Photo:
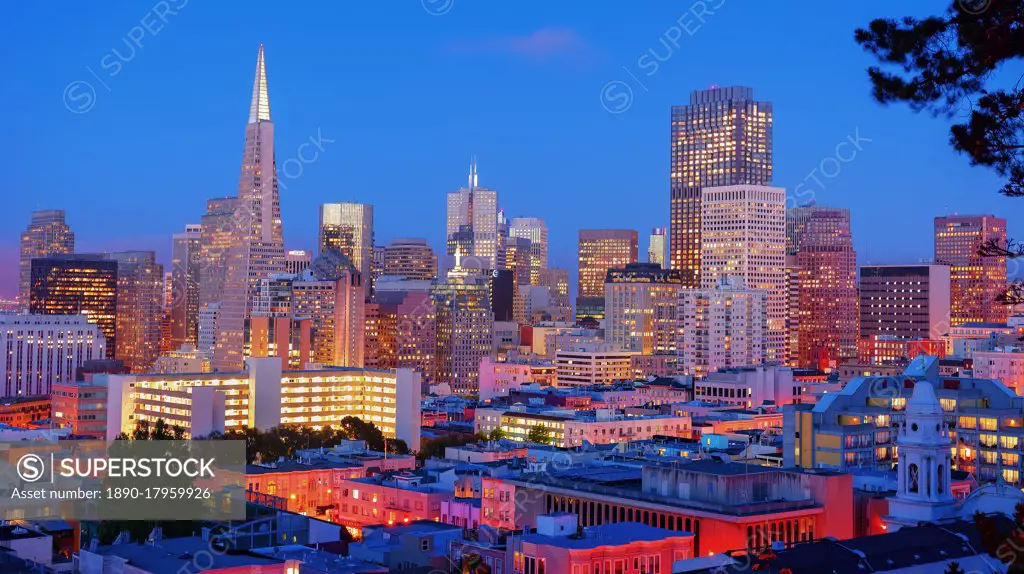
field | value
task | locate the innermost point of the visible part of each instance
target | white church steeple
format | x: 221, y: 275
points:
x: 923, y: 490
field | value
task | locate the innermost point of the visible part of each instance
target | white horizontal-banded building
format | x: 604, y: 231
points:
x: 264, y: 397
x: 39, y: 350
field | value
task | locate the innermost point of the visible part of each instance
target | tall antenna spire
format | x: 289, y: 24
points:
x: 472, y: 173
x: 259, y: 110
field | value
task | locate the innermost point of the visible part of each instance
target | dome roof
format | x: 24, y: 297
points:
x: 923, y: 401
x: 999, y: 498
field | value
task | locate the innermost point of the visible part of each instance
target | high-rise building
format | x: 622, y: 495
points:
x: 905, y: 301
x: 376, y: 267
x: 402, y: 329
x: 472, y: 223
x: 331, y: 294
x: 41, y: 350
x: 216, y: 234
x: 743, y: 236
x: 47, y: 234
x: 465, y: 327
x: 722, y: 327
x: 272, y: 330
x: 348, y: 227
x: 518, y: 260
x: 656, y: 246
x: 410, y: 257
x: 297, y: 260
x: 534, y: 229
x: 722, y: 137
x: 257, y: 245
x: 792, y: 310
x: 556, y: 280
x: 140, y: 296
x: 186, y: 263
x: 974, y: 281
x: 640, y: 302
x: 598, y: 251
x: 80, y: 284
x: 820, y: 239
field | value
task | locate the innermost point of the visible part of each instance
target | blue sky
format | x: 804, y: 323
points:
x: 408, y: 90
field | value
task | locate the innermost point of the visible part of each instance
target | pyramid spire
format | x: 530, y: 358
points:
x: 259, y: 110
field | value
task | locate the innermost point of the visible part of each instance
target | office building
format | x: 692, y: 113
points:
x: 534, y: 229
x: 721, y: 328
x: 640, y: 302
x: 722, y: 137
x: 556, y: 280
x: 656, y: 247
x: 331, y: 294
x: 401, y: 330
x: 465, y: 327
x: 47, y: 234
x: 263, y: 396
x: 186, y: 266
x: 257, y: 244
x: 42, y: 350
x: 216, y: 235
x: 82, y: 405
x: 820, y: 239
x: 297, y: 260
x: 140, y: 309
x: 906, y: 301
x: 975, y: 282
x: 518, y: 258
x: 83, y: 284
x: 743, y: 236
x: 598, y: 251
x: 348, y: 228
x: 410, y: 257
x: 589, y: 364
x: 472, y: 224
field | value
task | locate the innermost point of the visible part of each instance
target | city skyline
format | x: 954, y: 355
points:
x: 406, y: 208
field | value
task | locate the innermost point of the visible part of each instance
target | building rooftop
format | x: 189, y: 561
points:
x: 617, y: 534
x: 902, y: 550
x: 173, y: 555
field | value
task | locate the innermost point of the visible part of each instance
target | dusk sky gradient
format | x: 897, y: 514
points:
x: 407, y: 97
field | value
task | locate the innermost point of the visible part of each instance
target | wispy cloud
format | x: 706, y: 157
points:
x: 543, y: 44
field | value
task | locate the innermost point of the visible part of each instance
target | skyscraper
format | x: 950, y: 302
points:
x: 472, y: 223
x: 640, y: 302
x: 974, y: 281
x: 47, y: 234
x: 743, y: 236
x: 216, y: 235
x: 140, y: 298
x: 656, y: 246
x: 722, y: 327
x: 410, y: 257
x: 80, y: 284
x: 348, y: 227
x: 556, y: 280
x: 331, y: 294
x: 186, y: 262
x: 905, y: 301
x: 723, y: 137
x: 534, y: 229
x: 257, y: 245
x: 821, y: 240
x: 598, y: 251
x: 465, y: 327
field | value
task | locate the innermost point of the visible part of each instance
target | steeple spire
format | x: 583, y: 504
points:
x: 472, y: 173
x: 259, y: 110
